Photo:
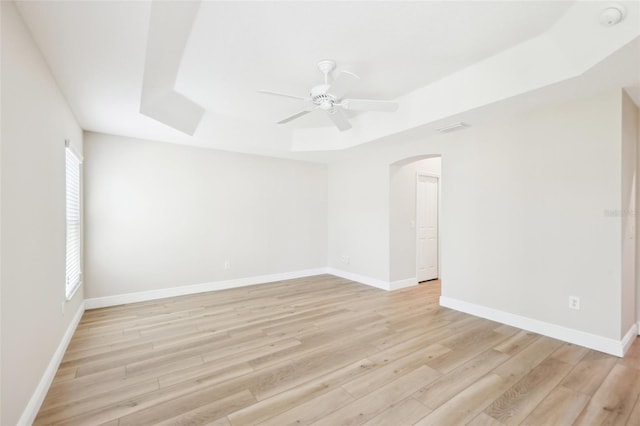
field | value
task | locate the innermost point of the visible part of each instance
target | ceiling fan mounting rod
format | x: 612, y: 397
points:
x: 326, y: 66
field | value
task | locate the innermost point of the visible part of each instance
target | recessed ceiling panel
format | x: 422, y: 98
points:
x: 238, y: 48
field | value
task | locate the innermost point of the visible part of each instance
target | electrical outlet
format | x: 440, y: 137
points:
x: 346, y: 259
x: 227, y: 264
x: 574, y: 302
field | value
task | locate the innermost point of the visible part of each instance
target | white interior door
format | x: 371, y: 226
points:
x: 427, y: 227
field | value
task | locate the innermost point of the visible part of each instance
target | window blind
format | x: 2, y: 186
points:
x: 74, y: 269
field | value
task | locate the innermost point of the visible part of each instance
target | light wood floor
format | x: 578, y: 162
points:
x: 327, y: 351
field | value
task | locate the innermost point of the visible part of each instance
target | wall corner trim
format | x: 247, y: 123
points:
x: 629, y: 337
x: 592, y: 341
x: 33, y: 406
x: 144, y: 296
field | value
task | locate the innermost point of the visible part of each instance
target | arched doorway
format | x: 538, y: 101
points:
x: 414, y: 237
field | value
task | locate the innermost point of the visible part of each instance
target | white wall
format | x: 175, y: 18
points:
x: 160, y: 215
x: 402, y: 215
x: 629, y: 141
x: 35, y: 123
x: 523, y: 219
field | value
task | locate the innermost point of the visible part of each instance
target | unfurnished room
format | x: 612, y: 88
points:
x: 319, y: 213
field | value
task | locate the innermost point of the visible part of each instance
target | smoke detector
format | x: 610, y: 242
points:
x: 612, y: 15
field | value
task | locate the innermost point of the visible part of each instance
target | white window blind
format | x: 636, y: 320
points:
x: 74, y: 267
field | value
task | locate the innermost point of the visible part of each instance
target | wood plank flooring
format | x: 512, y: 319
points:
x: 328, y: 351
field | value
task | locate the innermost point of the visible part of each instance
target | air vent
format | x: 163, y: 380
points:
x: 453, y: 127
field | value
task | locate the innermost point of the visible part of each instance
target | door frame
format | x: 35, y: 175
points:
x: 420, y: 174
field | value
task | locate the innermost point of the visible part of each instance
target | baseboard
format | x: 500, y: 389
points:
x: 144, y: 296
x: 373, y: 282
x: 397, y: 285
x: 384, y: 285
x: 592, y: 341
x: 33, y: 406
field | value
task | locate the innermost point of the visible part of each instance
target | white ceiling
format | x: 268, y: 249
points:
x: 236, y: 48
x: 217, y: 55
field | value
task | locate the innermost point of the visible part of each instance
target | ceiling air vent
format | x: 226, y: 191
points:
x: 453, y: 127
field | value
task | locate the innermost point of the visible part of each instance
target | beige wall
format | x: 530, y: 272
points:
x: 359, y: 216
x: 523, y: 222
x: 160, y: 215
x: 35, y: 123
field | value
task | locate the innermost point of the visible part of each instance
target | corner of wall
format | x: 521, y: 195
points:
x: 373, y: 282
x: 400, y: 284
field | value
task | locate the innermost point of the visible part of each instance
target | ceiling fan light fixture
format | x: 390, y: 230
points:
x: 326, y: 106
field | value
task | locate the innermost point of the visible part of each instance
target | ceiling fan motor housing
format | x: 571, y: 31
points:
x: 321, y: 98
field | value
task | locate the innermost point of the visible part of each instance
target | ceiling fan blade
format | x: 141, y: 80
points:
x: 294, y: 116
x: 284, y: 95
x: 339, y: 119
x: 342, y: 84
x: 369, y: 105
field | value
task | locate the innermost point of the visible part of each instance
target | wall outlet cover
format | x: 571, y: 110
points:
x: 574, y: 302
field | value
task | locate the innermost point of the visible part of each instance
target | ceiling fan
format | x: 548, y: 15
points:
x: 329, y: 98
